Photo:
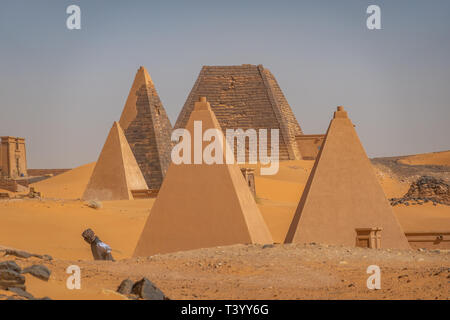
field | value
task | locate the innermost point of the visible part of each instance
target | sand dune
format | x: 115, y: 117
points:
x: 69, y: 185
x: 55, y: 227
x: 434, y: 158
x: 424, y: 218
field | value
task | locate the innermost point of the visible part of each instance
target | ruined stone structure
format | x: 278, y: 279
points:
x: 343, y: 202
x: 246, y: 97
x: 147, y: 129
x: 368, y: 238
x: 249, y: 176
x: 116, y: 173
x: 13, y: 158
x: 310, y: 145
x: 202, y: 205
x: 429, y: 239
x: 426, y: 189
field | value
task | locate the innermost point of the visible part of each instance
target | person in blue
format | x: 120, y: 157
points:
x: 100, y: 250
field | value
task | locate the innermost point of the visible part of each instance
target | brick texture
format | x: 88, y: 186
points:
x: 246, y: 96
x: 148, y: 129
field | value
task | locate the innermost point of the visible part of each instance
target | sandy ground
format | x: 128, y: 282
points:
x: 53, y: 226
x: 253, y: 272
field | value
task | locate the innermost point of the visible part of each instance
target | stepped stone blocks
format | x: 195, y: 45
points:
x: 343, y: 196
x: 116, y: 173
x: 246, y: 97
x: 201, y: 205
x: 147, y: 129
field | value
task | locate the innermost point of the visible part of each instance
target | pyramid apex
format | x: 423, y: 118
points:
x: 202, y: 104
x: 340, y: 113
x: 143, y: 70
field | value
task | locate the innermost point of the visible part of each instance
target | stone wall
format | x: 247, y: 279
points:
x: 309, y: 145
x: 13, y: 157
x: 9, y: 185
x: 429, y: 240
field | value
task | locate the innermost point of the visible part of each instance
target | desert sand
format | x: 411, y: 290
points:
x: 69, y: 185
x: 435, y: 158
x: 54, y: 224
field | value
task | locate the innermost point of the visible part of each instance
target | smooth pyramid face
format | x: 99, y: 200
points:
x: 343, y: 194
x: 201, y: 205
x: 116, y: 172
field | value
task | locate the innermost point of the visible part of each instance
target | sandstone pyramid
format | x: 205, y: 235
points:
x: 116, y: 172
x: 201, y: 205
x: 246, y: 97
x: 342, y: 194
x: 147, y: 129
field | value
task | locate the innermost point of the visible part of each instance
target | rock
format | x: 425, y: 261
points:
x: 18, y: 253
x: 145, y: 289
x: 26, y: 255
x: 22, y: 293
x: 39, y: 271
x: 10, y: 279
x: 343, y: 262
x: 10, y: 265
x: 47, y: 257
x: 125, y: 287
x: 95, y: 204
x: 267, y: 246
x: 426, y: 189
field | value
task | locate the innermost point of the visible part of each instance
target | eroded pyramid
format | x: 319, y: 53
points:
x: 116, y: 172
x: 147, y: 129
x: 342, y: 194
x: 201, y: 205
x: 246, y: 97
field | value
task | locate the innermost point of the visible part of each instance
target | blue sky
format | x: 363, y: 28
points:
x: 62, y: 89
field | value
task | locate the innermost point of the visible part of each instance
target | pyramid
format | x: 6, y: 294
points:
x: 147, y: 129
x: 116, y: 172
x: 201, y: 205
x: 246, y: 97
x: 342, y: 194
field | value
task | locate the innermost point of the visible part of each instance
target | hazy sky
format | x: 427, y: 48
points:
x: 62, y: 89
